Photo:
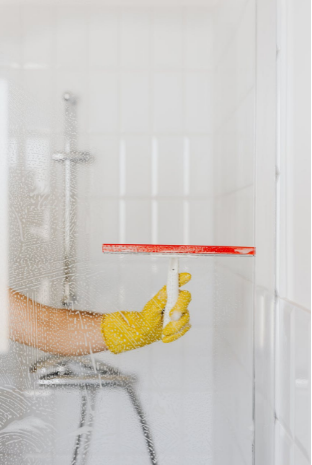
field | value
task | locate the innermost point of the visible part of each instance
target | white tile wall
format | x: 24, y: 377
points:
x: 103, y: 29
x: 300, y: 457
x: 171, y: 166
x: 10, y: 48
x: 135, y: 37
x: 103, y: 100
x: 38, y: 82
x: 104, y: 221
x: 302, y: 378
x: 71, y: 37
x: 168, y: 102
x: 294, y: 155
x: 200, y: 225
x: 168, y: 38
x: 143, y: 79
x: 170, y: 222
x: 293, y: 373
x: 138, y: 165
x: 145, y: 75
x: 198, y: 101
x: 138, y: 222
x: 134, y: 71
x: 199, y: 38
x: 39, y: 35
x: 293, y: 338
x: 106, y: 152
x: 285, y: 385
x: 135, y: 92
x: 284, y: 447
x: 233, y: 171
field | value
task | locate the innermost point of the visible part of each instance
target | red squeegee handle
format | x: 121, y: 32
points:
x: 178, y: 249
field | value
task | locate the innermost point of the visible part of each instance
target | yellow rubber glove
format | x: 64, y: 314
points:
x: 124, y: 331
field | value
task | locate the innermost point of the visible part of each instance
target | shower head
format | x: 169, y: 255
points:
x: 69, y: 97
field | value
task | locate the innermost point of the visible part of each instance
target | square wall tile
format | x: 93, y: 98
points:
x: 264, y: 431
x: 37, y: 162
x: 226, y: 20
x: 198, y: 344
x: 10, y: 36
x: 103, y: 218
x: 135, y: 102
x: 138, y: 165
x: 300, y: 457
x: 168, y: 107
x: 302, y: 378
x: 104, y: 170
x: 244, y: 200
x: 198, y: 102
x: 39, y: 36
x: 168, y: 366
x: 201, y: 222
x: 199, y: 38
x: 284, y: 446
x: 234, y: 222
x: 103, y: 102
x: 246, y: 51
x: 167, y: 38
x: 170, y: 222
x: 235, y: 148
x: 197, y: 417
x: 135, y: 27
x: 170, y: 166
x: 103, y: 30
x: 138, y: 222
x: 284, y: 383
x: 201, y: 174
x: 246, y: 148
x: 72, y: 37
x: 225, y: 86
x: 39, y: 85
x: 226, y: 154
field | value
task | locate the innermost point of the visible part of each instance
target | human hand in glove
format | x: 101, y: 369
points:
x: 124, y: 330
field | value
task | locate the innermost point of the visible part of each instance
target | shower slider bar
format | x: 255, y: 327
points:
x: 70, y: 156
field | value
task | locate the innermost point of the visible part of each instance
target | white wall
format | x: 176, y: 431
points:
x: 143, y: 78
x: 234, y: 152
x: 282, y: 315
x: 293, y: 319
x: 282, y: 325
x: 265, y: 225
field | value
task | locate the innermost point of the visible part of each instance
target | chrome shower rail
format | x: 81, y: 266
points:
x: 70, y: 157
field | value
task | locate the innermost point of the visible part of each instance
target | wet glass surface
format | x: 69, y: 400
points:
x: 88, y: 159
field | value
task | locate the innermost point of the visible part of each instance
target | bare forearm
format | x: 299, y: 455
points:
x: 55, y: 330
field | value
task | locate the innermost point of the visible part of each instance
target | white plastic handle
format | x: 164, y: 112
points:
x: 172, y: 287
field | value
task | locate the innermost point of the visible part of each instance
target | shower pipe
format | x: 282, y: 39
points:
x: 90, y: 381
x: 70, y: 156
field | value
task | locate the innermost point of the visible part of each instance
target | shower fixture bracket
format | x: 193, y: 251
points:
x: 73, y: 156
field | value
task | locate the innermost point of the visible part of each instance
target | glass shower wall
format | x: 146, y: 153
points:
x: 144, y: 80
x: 162, y: 404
